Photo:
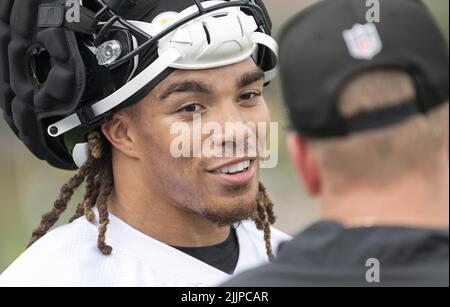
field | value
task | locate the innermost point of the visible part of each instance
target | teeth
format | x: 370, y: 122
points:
x: 238, y: 167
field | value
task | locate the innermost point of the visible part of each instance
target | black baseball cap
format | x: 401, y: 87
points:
x: 330, y: 42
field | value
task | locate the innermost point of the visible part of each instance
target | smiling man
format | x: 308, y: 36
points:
x: 149, y: 218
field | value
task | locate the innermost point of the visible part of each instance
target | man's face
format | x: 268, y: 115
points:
x: 204, y: 185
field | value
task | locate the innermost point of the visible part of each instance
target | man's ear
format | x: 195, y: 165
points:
x: 121, y: 135
x: 305, y: 163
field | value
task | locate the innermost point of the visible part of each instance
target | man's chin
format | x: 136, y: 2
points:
x: 229, y: 216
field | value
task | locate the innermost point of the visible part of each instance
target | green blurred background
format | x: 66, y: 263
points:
x: 28, y: 187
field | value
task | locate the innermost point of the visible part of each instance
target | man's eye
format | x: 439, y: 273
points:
x: 249, y: 96
x: 191, y: 108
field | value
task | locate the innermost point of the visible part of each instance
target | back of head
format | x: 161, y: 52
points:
x: 372, y: 97
x: 381, y: 155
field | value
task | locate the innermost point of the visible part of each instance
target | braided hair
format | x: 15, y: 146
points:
x: 99, y: 183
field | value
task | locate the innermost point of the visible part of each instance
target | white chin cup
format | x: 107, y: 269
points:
x: 80, y: 154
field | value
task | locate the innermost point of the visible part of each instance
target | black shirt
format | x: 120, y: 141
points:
x: 327, y: 254
x: 223, y: 256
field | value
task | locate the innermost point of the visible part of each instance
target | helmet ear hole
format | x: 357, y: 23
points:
x: 39, y: 65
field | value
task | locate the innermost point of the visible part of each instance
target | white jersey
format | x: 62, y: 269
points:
x: 68, y: 256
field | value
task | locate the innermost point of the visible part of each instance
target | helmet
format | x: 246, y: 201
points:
x: 66, y: 66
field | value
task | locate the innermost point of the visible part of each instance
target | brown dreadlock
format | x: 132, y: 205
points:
x: 97, y: 172
x: 99, y: 183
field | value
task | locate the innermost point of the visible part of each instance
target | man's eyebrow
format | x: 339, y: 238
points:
x: 185, y: 86
x: 251, y: 77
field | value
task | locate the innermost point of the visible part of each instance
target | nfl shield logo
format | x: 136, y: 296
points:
x: 363, y: 41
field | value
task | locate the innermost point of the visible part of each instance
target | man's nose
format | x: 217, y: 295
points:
x: 236, y: 135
